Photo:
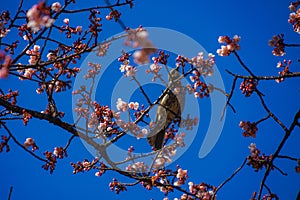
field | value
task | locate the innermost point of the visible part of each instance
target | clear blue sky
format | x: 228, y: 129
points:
x: 204, y: 21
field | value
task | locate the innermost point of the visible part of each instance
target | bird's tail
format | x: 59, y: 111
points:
x: 157, y: 140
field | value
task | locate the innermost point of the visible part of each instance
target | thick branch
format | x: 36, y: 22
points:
x: 280, y: 146
x: 58, y: 122
x: 289, y: 75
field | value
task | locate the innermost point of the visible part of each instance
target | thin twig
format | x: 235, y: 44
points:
x: 276, y: 119
x: 142, y: 90
x: 10, y: 192
x: 281, y: 172
x: 69, y: 142
x: 231, y: 177
x: 292, y: 45
x: 21, y: 145
x: 263, y: 119
x: 121, y: 23
x: 229, y: 97
x: 269, y: 190
x: 109, y: 6
x: 243, y: 64
x: 288, y: 157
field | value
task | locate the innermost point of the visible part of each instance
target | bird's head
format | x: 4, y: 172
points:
x: 174, y: 77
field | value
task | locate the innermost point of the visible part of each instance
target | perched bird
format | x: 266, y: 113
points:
x: 169, y: 108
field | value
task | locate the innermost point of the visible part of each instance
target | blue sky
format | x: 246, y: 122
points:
x: 204, y: 21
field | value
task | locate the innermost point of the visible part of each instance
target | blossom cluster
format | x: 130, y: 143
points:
x: 164, y: 158
x: 203, y: 191
x: 123, y: 106
x: 95, y: 26
x: 181, y: 176
x: 162, y: 58
x: 101, y: 170
x: 85, y: 165
x: 140, y: 111
x: 249, y: 128
x: 26, y: 116
x: 70, y: 30
x: 93, y: 71
x: 181, y: 61
x: 102, y: 118
x: 80, y: 109
x: 39, y: 16
x: 56, y: 6
x: 4, y: 143
x: 5, y: 62
x: 137, y: 167
x: 127, y: 69
x: 114, y: 14
x: 256, y: 160
x: 199, y: 88
x: 294, y: 17
x: 29, y: 142
x: 102, y: 49
x: 139, y: 38
x: 248, y: 86
x: 171, y: 131
x: 161, y: 176
x: 231, y: 45
x: 60, y: 152
x: 51, y: 161
x: 204, y: 66
x: 155, y: 68
x: 26, y: 73
x: 34, y: 54
x: 278, y: 43
x: 286, y: 70
x: 170, y: 150
x: 11, y: 48
x: 10, y: 96
x: 4, y: 19
x: 117, y: 186
x: 189, y: 122
x: 297, y: 168
x: 270, y: 197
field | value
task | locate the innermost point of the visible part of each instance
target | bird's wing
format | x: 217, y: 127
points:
x: 167, y: 111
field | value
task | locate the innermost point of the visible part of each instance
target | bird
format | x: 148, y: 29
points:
x: 169, y: 109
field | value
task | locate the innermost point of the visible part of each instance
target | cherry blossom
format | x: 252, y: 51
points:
x: 286, y: 69
x: 249, y: 128
x: 56, y: 6
x: 278, y: 43
x: 29, y: 142
x: 231, y: 45
x: 39, y: 16
x: 134, y: 105
x: 248, y: 86
x: 122, y: 105
x: 205, y: 67
x: 66, y: 21
x: 5, y: 62
x: 181, y: 176
x: 128, y: 70
x: 4, y: 143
